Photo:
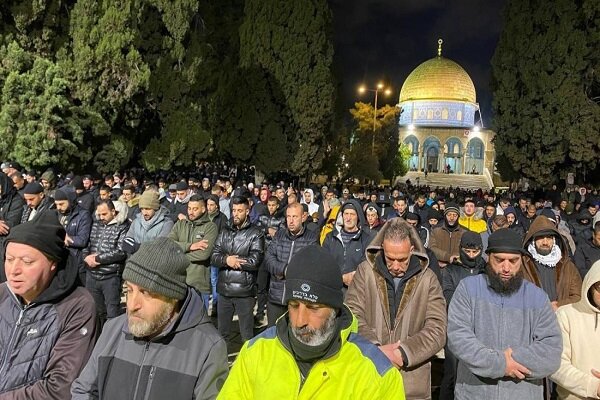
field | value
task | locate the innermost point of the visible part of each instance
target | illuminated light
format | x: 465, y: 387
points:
x: 476, y: 128
x: 388, y: 92
x: 380, y: 85
x: 362, y: 89
x: 411, y: 127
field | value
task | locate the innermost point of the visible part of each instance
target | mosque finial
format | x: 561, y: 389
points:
x: 440, y: 41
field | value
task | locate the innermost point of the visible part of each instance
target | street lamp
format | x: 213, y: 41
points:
x: 379, y: 88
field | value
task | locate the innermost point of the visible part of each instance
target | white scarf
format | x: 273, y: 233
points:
x: 549, y: 260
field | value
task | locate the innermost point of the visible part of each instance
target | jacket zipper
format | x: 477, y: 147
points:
x: 288, y: 262
x: 149, y: 386
x: 137, y: 384
x: 10, y: 341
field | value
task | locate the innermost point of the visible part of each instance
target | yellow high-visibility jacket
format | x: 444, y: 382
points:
x: 473, y: 224
x: 265, y: 369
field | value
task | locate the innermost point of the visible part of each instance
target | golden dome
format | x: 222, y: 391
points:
x: 438, y: 79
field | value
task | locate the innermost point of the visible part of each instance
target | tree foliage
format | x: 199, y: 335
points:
x: 378, y: 135
x: 292, y: 42
x: 546, y: 89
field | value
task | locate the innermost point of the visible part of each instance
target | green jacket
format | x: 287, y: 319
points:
x: 185, y: 233
x: 265, y: 369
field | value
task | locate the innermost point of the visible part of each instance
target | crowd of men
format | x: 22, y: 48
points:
x: 359, y: 290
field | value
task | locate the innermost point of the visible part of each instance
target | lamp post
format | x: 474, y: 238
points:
x: 376, y: 90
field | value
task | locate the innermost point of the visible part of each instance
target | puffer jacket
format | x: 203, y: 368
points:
x: 350, y: 256
x: 45, y: 344
x: 185, y: 233
x: 106, y: 241
x: 587, y: 254
x: 11, y: 203
x: 420, y: 319
x: 279, y: 254
x: 568, y: 279
x: 247, y: 242
x: 188, y: 360
x: 269, y: 221
x: 78, y: 225
x: 45, y: 204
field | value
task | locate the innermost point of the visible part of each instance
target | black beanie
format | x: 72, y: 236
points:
x: 60, y: 195
x: 182, y: 185
x: 44, y: 232
x: 33, y: 188
x: 77, y: 183
x: 504, y: 240
x: 314, y: 276
x: 471, y: 240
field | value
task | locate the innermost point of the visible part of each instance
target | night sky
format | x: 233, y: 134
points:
x: 386, y: 39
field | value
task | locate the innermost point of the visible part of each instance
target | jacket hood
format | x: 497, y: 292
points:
x: 584, y: 214
x: 121, y: 216
x: 157, y: 218
x: 375, y: 248
x: 362, y: 220
x: 542, y: 223
x: 312, y: 195
x: 592, y: 277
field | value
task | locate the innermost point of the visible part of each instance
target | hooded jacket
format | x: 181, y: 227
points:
x: 580, y: 327
x: 11, y: 203
x: 185, y: 233
x: 420, y: 319
x: 582, y: 232
x: 45, y: 344
x: 266, y: 369
x: 445, y: 242
x: 106, y: 241
x: 475, y: 222
x: 188, y: 360
x: 587, y: 254
x: 568, y: 280
x: 313, y: 207
x: 350, y: 256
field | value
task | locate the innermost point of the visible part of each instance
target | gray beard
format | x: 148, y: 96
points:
x: 145, y: 328
x: 316, y: 337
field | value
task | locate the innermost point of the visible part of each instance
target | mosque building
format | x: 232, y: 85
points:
x: 438, y: 120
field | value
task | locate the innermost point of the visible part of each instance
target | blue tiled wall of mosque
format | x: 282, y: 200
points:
x: 438, y: 113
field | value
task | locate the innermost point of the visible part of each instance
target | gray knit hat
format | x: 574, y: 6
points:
x: 159, y: 266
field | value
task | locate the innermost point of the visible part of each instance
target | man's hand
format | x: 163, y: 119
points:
x: 597, y: 375
x: 68, y: 240
x: 347, y: 278
x: 91, y: 261
x: 4, y: 228
x: 181, y: 217
x: 326, y: 207
x: 554, y: 305
x: 392, y: 352
x: 290, y: 190
x: 272, y: 231
x: 200, y: 245
x: 234, y: 262
x: 513, y: 368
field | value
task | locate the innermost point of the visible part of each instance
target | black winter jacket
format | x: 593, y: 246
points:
x: 269, y: 221
x: 78, y: 225
x: 248, y: 242
x: 45, y: 204
x: 586, y: 255
x: 279, y: 252
x: 45, y: 344
x: 106, y: 240
x: 456, y: 272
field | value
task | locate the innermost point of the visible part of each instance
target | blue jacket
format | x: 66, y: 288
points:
x: 482, y: 324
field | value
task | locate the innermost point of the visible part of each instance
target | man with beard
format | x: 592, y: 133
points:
x: 36, y: 201
x: 502, y: 329
x: 399, y: 304
x: 238, y: 252
x: 399, y: 208
x: 313, y: 352
x: 77, y: 223
x: 470, y: 263
x: 196, y: 235
x: 165, y: 346
x: 547, y: 264
x: 151, y: 222
x: 445, y: 239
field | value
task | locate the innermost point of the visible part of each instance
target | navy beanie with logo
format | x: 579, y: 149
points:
x: 314, y: 276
